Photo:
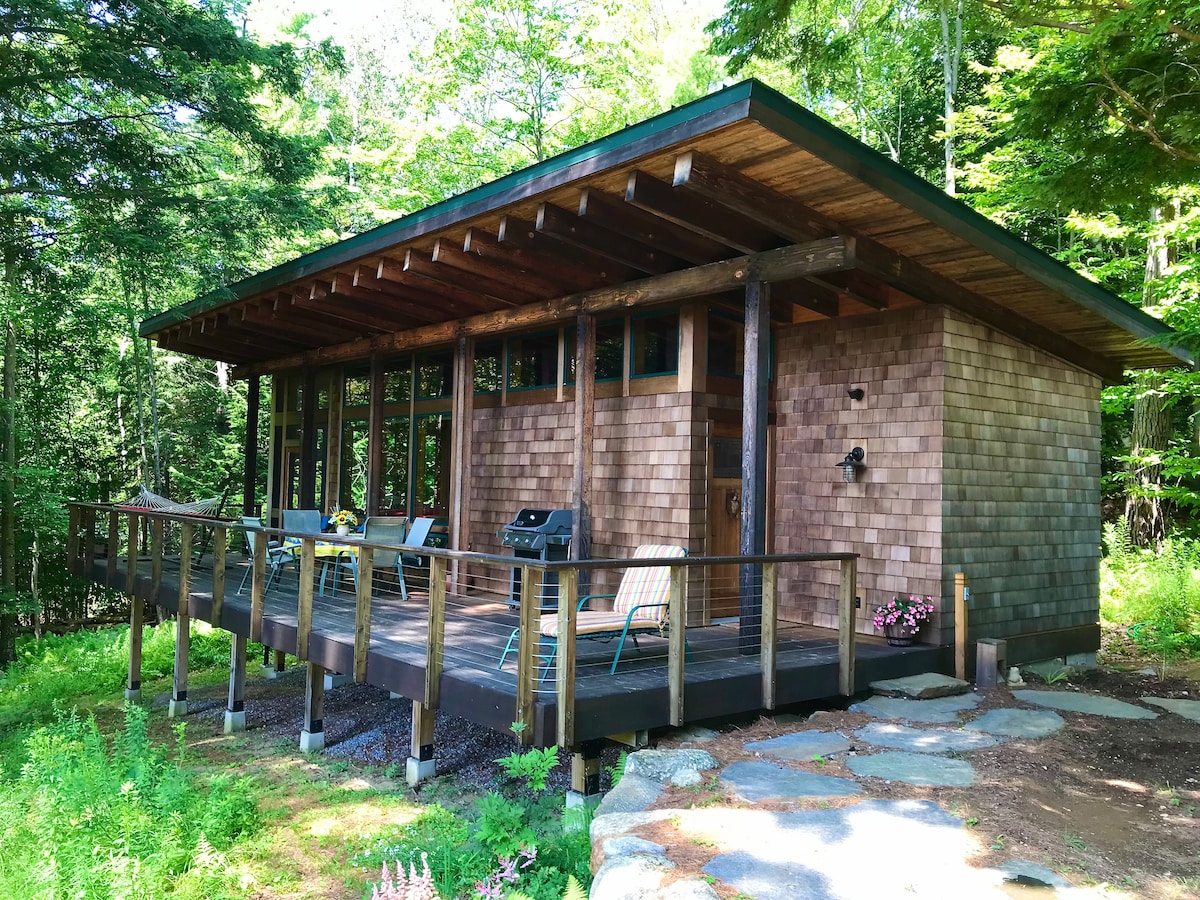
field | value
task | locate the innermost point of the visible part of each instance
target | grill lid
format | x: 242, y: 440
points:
x: 542, y: 521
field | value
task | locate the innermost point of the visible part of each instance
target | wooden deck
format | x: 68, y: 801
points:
x: 719, y: 681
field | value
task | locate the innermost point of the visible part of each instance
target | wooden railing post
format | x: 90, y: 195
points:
x: 73, y: 564
x: 258, y: 584
x: 362, y: 612
x: 157, y: 529
x: 308, y: 556
x: 183, y: 621
x: 961, y: 593
x: 846, y: 626
x: 89, y: 532
x: 435, y: 644
x: 114, y: 543
x: 677, y: 642
x: 568, y: 600
x: 527, y: 659
x: 770, y: 619
x: 220, y: 541
x: 133, y: 684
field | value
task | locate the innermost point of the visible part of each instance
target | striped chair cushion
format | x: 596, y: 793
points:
x: 650, y: 584
x: 591, y: 622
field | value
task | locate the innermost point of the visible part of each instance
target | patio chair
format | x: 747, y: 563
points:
x: 416, y: 537
x: 639, y: 607
x: 302, y: 522
x: 383, y: 530
x: 278, y: 556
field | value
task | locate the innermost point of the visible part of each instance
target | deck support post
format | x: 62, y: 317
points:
x: 585, y: 774
x: 220, y: 542
x: 846, y: 621
x: 183, y: 624
x: 677, y: 643
x: 585, y: 430
x: 133, y: 686
x: 114, y: 542
x: 274, y: 668
x: 754, y: 462
x: 157, y: 540
x: 312, y: 738
x: 564, y: 676
x: 258, y: 584
x: 528, y: 642
x: 235, y: 708
x: 421, y: 764
x: 250, y: 448
x: 961, y: 593
x: 770, y: 619
x: 308, y: 556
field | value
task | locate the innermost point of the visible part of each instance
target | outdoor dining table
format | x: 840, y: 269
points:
x: 327, y: 552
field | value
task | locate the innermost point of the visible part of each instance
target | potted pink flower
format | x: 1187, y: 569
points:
x: 902, y: 617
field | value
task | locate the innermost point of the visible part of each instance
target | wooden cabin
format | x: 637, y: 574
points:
x: 679, y: 332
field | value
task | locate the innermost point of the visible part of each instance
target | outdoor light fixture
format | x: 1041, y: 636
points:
x: 851, y: 464
x: 856, y: 393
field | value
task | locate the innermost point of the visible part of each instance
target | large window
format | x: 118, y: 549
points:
x: 435, y: 375
x: 726, y: 345
x: 533, y: 361
x: 489, y: 369
x: 610, y: 351
x: 394, y: 484
x: 431, y: 465
x: 655, y: 344
x: 353, y: 494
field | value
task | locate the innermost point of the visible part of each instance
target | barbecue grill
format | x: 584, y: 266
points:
x: 541, y: 534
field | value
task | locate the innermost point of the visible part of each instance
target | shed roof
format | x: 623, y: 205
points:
x: 730, y: 183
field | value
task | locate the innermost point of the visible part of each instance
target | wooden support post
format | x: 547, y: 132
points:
x: 250, y: 449
x: 183, y: 623
x: 114, y: 544
x: 235, y: 707
x: 312, y: 738
x: 421, y: 764
x: 89, y: 535
x: 529, y: 640
x: 278, y: 663
x: 220, y: 542
x: 308, y: 441
x: 461, y: 423
x: 308, y: 555
x: 333, y: 441
x: 846, y: 626
x: 375, y: 435
x: 585, y: 430
x: 435, y: 642
x: 258, y: 584
x: 73, y: 561
x: 157, y: 547
x: 754, y: 461
x: 585, y: 774
x: 961, y: 594
x: 770, y: 618
x: 568, y: 600
x: 133, y: 686
x: 677, y: 642
x: 362, y: 613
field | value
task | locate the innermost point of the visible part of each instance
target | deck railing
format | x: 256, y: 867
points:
x: 469, y: 596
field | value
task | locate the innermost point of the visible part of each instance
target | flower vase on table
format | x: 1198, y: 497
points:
x: 343, y: 530
x: 344, y: 521
x: 901, y: 618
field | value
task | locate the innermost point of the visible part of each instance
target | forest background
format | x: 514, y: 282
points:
x: 153, y: 150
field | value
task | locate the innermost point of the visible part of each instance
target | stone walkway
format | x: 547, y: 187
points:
x: 914, y: 848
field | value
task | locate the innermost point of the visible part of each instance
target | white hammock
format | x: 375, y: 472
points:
x: 151, y: 501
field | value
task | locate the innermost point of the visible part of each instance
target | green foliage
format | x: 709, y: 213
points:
x: 1156, y: 596
x: 87, y: 820
x: 574, y: 891
x: 532, y: 766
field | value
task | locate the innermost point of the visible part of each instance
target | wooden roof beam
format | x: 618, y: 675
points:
x: 698, y: 214
x: 454, y: 299
x: 666, y: 237
x: 294, y: 326
x: 913, y: 278
x: 731, y: 190
x: 781, y: 264
x: 451, y: 253
x: 811, y: 293
x: 507, y: 293
x: 321, y: 298
x: 482, y: 243
x: 587, y: 234
x: 515, y: 232
x: 411, y: 310
x: 205, y: 351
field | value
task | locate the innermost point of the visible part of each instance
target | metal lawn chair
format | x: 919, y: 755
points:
x: 278, y: 556
x: 382, y: 530
x: 639, y: 607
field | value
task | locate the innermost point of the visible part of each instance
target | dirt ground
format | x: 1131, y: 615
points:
x: 1106, y: 801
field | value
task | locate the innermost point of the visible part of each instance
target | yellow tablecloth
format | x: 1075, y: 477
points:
x: 325, y: 549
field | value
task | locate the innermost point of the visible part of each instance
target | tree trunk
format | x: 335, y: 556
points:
x: 952, y: 39
x: 1151, y: 420
x: 8, y: 485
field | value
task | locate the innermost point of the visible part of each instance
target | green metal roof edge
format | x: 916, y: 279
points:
x: 388, y: 233
x: 870, y: 166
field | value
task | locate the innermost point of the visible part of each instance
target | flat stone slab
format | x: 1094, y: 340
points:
x: 921, y: 769
x: 1018, y: 723
x: 802, y: 745
x: 630, y: 877
x: 938, y: 710
x: 926, y: 686
x: 767, y: 781
x: 1189, y: 709
x: 1089, y: 704
x: 923, y: 740
x: 633, y: 793
x: 678, y: 767
x: 628, y: 844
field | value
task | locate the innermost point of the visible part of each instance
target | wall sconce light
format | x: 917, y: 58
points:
x: 851, y: 464
x: 856, y: 393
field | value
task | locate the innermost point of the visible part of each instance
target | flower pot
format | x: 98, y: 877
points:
x: 343, y: 530
x: 900, y: 635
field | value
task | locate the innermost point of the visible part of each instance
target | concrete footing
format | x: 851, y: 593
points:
x: 575, y: 798
x: 235, y: 721
x: 392, y: 695
x: 418, y: 770
x: 176, y: 709
x: 133, y: 695
x: 312, y: 741
x: 272, y: 672
x: 334, y: 680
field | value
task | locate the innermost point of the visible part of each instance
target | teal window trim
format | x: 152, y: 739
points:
x: 633, y: 343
